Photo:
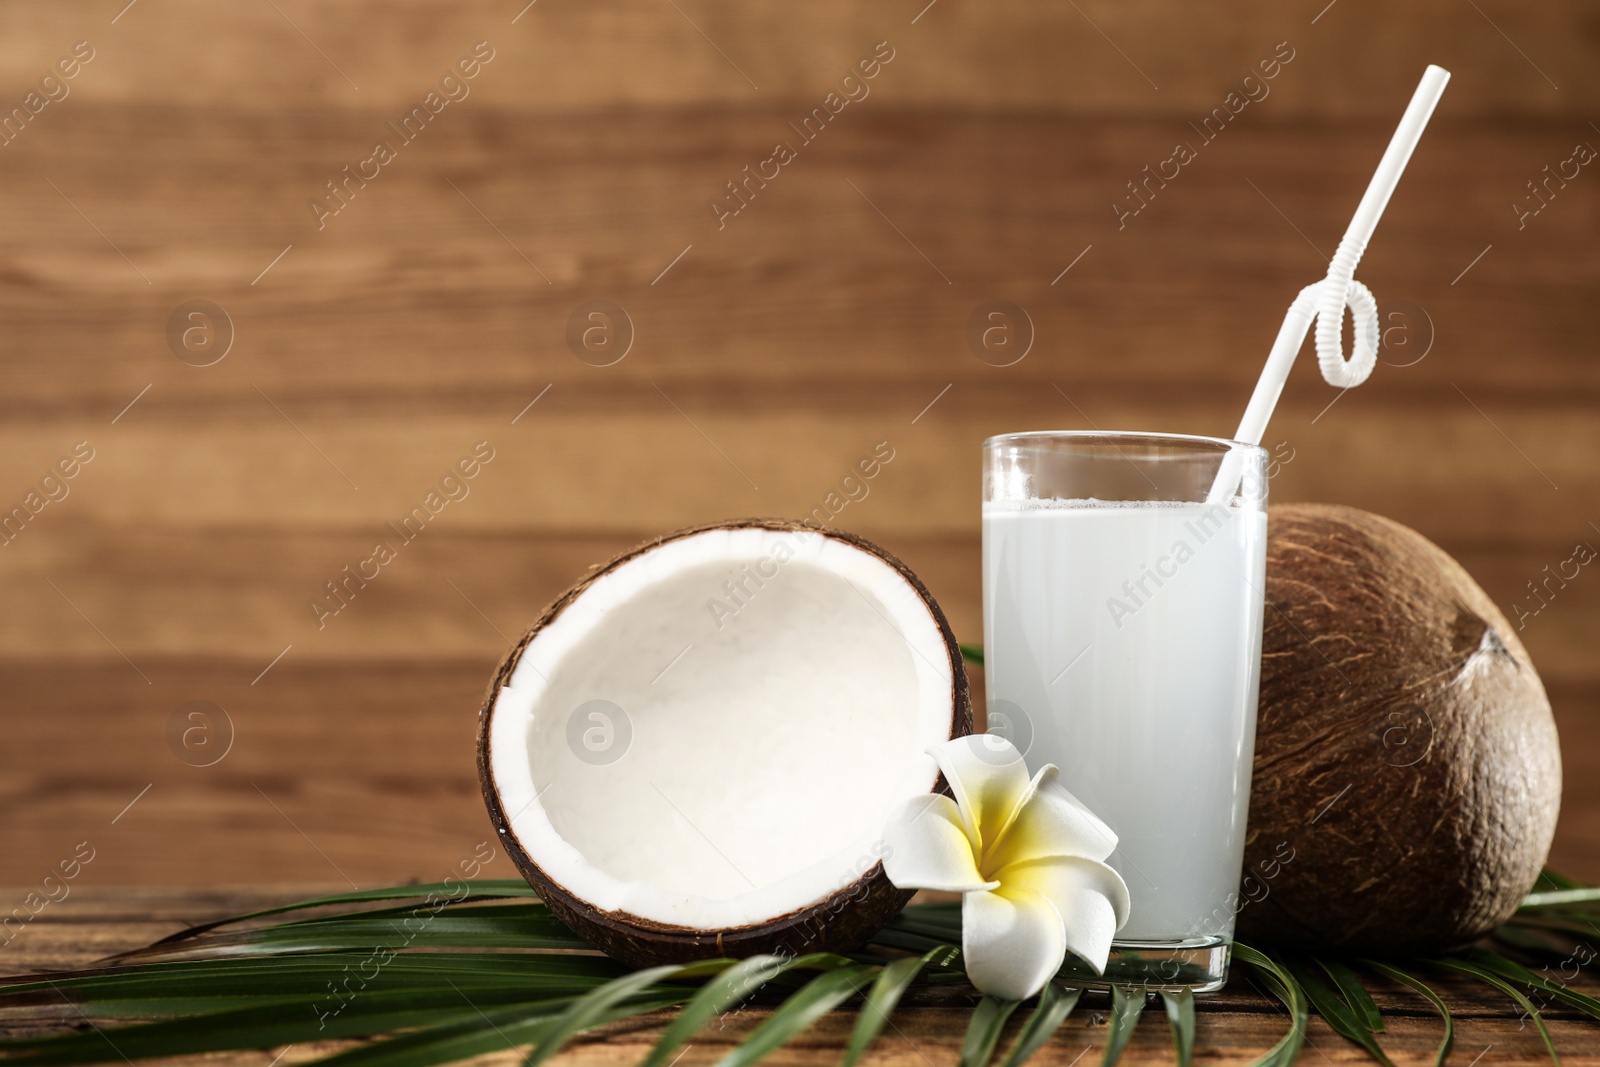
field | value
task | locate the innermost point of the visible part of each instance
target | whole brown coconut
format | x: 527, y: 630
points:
x: 780, y: 627
x: 1407, y: 774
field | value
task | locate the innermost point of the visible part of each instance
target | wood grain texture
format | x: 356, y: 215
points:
x: 771, y: 350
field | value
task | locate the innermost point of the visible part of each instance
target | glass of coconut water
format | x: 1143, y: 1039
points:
x: 1122, y: 599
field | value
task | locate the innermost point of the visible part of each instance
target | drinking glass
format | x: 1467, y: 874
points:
x: 1123, y: 578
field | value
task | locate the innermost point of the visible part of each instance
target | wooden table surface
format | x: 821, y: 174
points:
x: 362, y: 352
x: 1234, y: 1026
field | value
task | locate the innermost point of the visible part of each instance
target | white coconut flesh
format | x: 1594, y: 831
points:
x: 781, y: 689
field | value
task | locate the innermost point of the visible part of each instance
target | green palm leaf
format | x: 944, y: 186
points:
x: 1347, y: 1021
x: 1507, y: 968
x: 1126, y: 1006
x: 477, y: 1035
x: 486, y: 889
x: 1355, y: 994
x: 224, y: 980
x: 507, y: 906
x: 1549, y: 879
x: 467, y: 928
x: 487, y: 1031
x: 594, y: 1006
x: 264, y: 1023
x: 1575, y: 926
x: 908, y: 942
x: 882, y: 998
x: 1560, y: 898
x: 814, y: 1000
x: 1517, y: 996
x: 1431, y: 997
x: 1287, y: 990
x: 1055, y: 1004
x: 1533, y: 941
x: 1180, y: 1013
x: 715, y: 997
x: 927, y: 926
x: 984, y: 1029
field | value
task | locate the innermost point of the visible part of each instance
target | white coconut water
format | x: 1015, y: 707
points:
x: 1123, y: 645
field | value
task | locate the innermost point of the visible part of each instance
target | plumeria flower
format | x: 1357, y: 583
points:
x: 1027, y: 857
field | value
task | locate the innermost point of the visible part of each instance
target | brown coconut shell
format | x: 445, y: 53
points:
x: 1407, y: 771
x: 840, y: 922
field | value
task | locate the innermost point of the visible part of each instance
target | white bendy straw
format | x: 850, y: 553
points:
x: 1326, y: 300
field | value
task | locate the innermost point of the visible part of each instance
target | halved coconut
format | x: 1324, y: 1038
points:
x: 693, y: 752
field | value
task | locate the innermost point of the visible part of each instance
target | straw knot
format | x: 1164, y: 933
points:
x: 1328, y: 299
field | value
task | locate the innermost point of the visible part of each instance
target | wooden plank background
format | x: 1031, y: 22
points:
x: 768, y: 354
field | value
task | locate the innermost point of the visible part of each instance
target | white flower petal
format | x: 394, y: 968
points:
x: 1012, y: 942
x: 989, y: 779
x: 1050, y: 821
x: 929, y: 848
x: 1090, y: 897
